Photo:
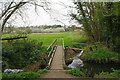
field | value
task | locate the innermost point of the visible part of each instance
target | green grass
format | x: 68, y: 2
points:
x: 23, y: 75
x: 47, y: 38
x: 69, y: 38
x: 20, y: 75
x: 101, y: 54
x: 9, y: 35
x: 76, y: 72
x: 114, y: 74
x: 42, y: 71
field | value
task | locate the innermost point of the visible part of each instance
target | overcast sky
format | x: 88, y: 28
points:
x: 58, y: 14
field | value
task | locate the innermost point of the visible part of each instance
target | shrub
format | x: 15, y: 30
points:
x: 100, y: 54
x: 19, y: 53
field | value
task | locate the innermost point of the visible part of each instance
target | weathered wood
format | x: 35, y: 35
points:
x: 51, y: 44
x: 63, y: 43
x: 14, y: 38
x: 63, y: 53
x: 51, y: 50
x: 51, y: 58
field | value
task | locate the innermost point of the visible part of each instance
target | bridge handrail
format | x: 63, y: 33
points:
x: 51, y: 50
x: 63, y: 52
x: 51, y: 44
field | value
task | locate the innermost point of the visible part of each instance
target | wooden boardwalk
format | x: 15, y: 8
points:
x: 56, y: 70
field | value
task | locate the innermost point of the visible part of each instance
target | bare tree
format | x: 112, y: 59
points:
x: 9, y: 8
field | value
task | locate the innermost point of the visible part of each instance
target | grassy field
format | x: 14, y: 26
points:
x: 69, y: 38
x: 47, y: 38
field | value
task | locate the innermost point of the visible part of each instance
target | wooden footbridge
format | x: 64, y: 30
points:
x: 56, y: 62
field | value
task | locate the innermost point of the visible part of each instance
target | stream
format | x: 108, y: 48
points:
x: 92, y: 68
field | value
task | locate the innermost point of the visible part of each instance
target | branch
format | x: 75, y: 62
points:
x: 6, y: 19
x: 13, y: 38
x: 6, y: 10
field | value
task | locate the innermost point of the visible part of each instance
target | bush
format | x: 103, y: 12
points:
x: 19, y: 53
x: 100, y: 54
x: 76, y: 72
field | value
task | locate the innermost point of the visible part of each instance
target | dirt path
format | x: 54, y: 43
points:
x: 56, y: 70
